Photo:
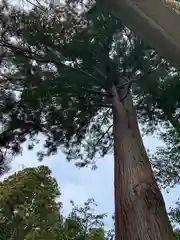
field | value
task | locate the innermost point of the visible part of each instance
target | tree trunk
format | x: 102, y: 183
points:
x: 140, y: 212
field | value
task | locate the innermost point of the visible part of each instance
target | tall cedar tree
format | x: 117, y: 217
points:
x: 68, y: 75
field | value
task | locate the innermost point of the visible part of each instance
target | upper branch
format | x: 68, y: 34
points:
x: 44, y: 59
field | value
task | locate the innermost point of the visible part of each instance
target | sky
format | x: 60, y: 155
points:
x: 80, y: 184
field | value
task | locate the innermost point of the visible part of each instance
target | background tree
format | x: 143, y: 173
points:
x: 83, y: 222
x: 175, y: 218
x: 28, y: 204
x: 29, y: 210
x: 69, y: 87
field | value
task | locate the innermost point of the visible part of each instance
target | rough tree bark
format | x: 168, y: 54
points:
x: 140, y: 212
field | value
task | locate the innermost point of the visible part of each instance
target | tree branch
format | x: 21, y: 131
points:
x: 36, y: 6
x: 106, y: 132
x: 122, y: 85
x: 36, y: 57
x: 104, y: 94
x: 94, y: 91
x: 8, y: 135
x: 127, y: 91
x: 126, y: 84
x: 100, y: 73
x: 99, y: 105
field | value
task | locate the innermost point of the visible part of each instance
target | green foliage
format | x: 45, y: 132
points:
x: 166, y: 159
x: 175, y: 218
x: 62, y: 71
x: 175, y: 213
x: 84, y: 223
x: 29, y: 210
x: 96, y: 234
x: 28, y: 205
x: 177, y: 234
x: 66, y: 112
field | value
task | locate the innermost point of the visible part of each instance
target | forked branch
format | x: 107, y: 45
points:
x: 127, y: 85
x: 103, y: 135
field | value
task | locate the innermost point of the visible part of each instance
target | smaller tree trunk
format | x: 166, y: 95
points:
x: 140, y: 212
